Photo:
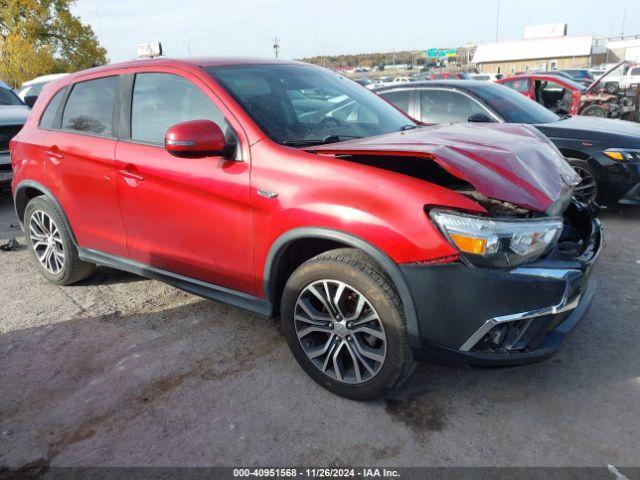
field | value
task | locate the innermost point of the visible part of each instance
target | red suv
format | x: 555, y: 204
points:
x: 286, y: 189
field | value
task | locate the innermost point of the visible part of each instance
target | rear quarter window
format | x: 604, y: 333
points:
x: 49, y: 116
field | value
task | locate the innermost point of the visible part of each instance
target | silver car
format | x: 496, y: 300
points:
x: 13, y: 114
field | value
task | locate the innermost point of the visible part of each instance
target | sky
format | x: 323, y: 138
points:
x: 328, y: 27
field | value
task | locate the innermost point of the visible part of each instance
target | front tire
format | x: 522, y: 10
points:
x: 345, y: 325
x: 51, y: 244
x: 588, y: 190
x: 595, y: 111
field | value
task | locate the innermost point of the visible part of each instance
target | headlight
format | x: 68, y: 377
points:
x: 498, y: 243
x: 623, y: 154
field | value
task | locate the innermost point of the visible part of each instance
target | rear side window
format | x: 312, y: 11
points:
x: 399, y: 98
x: 161, y: 100
x: 49, y: 115
x: 90, y: 107
x: 635, y: 72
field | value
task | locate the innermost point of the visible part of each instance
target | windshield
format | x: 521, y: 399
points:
x: 514, y: 107
x: 303, y: 105
x: 7, y: 97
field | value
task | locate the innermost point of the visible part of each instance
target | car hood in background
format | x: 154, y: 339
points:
x: 13, y: 114
x: 595, y: 129
x: 512, y: 163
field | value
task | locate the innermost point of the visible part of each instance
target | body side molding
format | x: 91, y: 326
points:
x: 207, y: 290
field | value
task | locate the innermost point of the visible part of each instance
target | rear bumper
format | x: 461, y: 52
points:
x: 486, y: 317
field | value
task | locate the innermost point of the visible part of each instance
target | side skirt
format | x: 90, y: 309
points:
x: 235, y: 298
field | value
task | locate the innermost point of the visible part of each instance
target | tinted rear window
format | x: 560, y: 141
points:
x: 90, y: 106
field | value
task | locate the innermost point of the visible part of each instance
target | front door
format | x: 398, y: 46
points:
x: 189, y: 216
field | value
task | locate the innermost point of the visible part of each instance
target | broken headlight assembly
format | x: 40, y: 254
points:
x: 491, y: 242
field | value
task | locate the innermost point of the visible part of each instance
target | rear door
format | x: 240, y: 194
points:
x: 79, y: 149
x: 189, y: 216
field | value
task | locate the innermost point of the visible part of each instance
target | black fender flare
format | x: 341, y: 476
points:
x: 388, y: 265
x: 20, y: 201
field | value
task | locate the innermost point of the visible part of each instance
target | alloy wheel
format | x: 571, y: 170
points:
x: 587, y: 189
x: 46, y: 242
x: 340, y: 331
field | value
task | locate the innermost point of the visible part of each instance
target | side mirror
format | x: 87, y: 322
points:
x: 479, y: 118
x: 196, y: 138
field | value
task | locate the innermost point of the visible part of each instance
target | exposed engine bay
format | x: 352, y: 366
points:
x: 578, y: 228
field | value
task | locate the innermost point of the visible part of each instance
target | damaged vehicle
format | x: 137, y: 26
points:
x: 376, y: 242
x: 566, y: 96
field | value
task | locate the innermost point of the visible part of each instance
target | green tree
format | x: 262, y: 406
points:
x: 38, y: 37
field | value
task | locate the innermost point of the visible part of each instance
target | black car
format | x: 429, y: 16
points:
x: 605, y: 152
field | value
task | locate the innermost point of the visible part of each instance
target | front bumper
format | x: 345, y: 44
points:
x: 487, y: 317
x: 621, y: 182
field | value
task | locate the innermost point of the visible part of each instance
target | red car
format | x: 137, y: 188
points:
x: 449, y: 76
x: 563, y: 95
x: 286, y: 189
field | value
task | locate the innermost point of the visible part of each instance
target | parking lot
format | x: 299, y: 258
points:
x: 119, y: 370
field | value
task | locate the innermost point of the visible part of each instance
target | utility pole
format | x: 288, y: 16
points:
x: 497, y: 21
x: 276, y: 46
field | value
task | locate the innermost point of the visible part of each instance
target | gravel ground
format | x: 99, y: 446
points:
x: 120, y: 370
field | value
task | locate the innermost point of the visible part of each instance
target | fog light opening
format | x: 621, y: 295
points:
x: 504, y: 337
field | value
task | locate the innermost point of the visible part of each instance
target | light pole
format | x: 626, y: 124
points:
x: 276, y: 46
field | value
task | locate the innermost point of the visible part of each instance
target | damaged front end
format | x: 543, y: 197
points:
x: 523, y: 279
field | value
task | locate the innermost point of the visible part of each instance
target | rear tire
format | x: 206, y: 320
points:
x: 51, y: 244
x: 363, y: 359
x: 611, y: 87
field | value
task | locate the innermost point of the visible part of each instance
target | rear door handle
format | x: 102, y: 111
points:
x: 129, y: 171
x: 54, y: 154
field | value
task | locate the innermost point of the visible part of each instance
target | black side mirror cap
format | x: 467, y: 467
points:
x: 480, y: 118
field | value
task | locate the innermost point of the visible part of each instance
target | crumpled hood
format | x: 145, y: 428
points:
x: 508, y: 162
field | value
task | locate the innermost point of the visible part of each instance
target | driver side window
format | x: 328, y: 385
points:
x: 161, y: 100
x: 442, y: 106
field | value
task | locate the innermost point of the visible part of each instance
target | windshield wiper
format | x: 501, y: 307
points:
x: 330, y: 139
x: 408, y: 127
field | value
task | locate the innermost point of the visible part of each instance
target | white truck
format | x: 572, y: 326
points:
x: 624, y: 76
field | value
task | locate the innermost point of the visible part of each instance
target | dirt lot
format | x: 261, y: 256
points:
x: 120, y: 370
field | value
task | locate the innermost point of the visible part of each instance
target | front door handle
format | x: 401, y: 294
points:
x: 129, y: 171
